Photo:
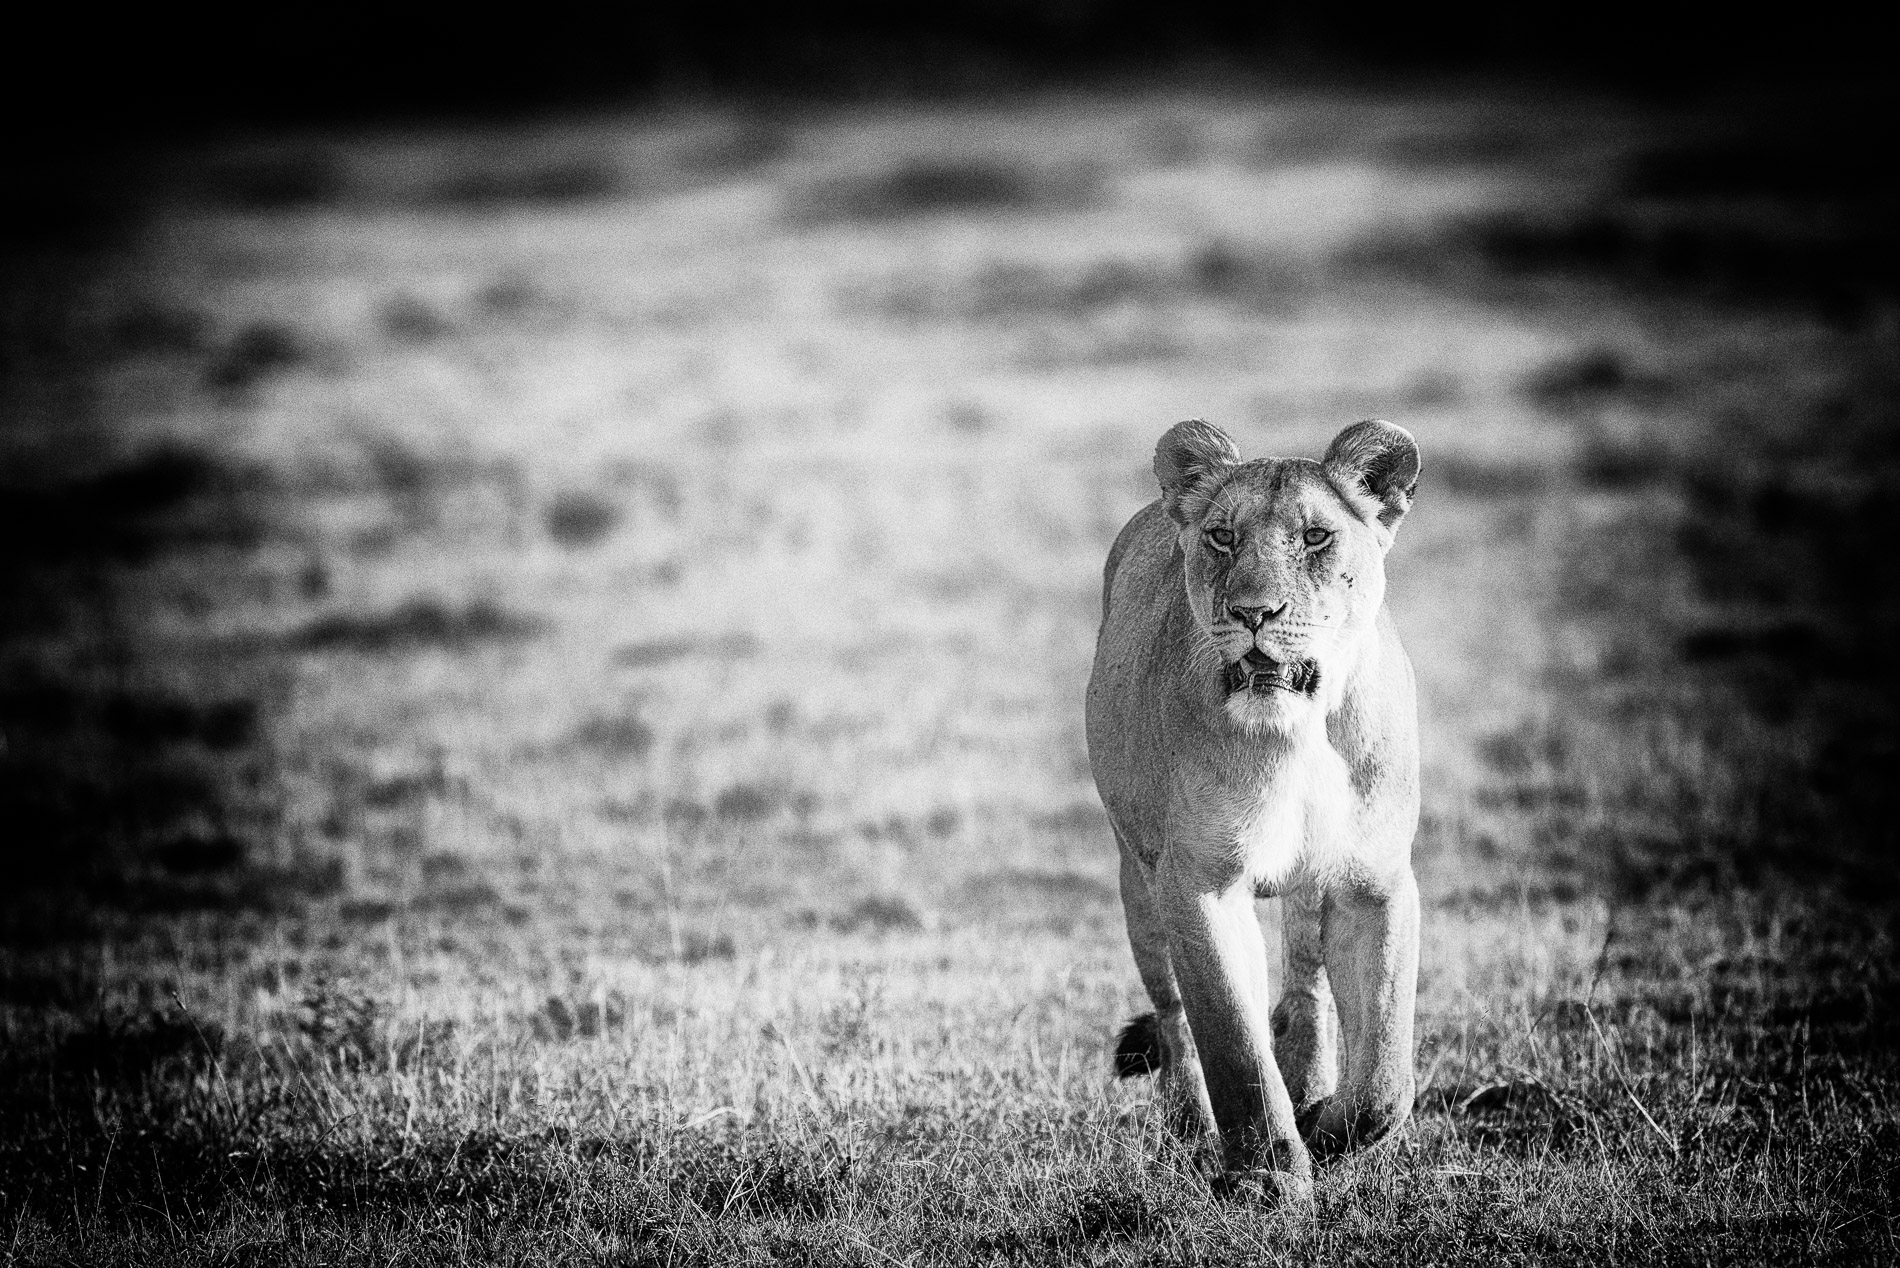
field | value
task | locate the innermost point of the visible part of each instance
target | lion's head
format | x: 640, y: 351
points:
x: 1285, y: 559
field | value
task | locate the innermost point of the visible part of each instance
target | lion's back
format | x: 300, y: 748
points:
x: 1132, y: 546
x: 1125, y: 700
x: 1141, y: 553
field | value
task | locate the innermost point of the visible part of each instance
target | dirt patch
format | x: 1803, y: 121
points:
x: 937, y: 187
x: 419, y: 625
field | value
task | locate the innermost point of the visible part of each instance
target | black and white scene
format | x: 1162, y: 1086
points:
x: 970, y: 633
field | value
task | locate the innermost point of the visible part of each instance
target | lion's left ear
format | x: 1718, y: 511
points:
x: 1378, y: 459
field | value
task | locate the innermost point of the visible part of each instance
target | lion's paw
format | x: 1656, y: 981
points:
x: 1262, y: 1186
x: 1332, y: 1126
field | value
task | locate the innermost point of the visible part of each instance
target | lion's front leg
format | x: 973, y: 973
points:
x: 1220, y: 963
x: 1371, y: 945
x: 1305, y: 1034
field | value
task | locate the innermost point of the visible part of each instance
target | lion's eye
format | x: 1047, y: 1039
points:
x: 1318, y: 536
x: 1223, y: 538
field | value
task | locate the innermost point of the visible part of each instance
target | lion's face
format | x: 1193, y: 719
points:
x: 1285, y: 560
x: 1281, y: 577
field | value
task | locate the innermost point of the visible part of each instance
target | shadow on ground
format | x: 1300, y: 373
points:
x: 1781, y: 495
x: 134, y: 755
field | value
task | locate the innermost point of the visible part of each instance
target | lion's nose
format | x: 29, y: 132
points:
x: 1254, y: 618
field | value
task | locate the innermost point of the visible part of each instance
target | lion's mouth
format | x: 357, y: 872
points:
x: 1258, y: 673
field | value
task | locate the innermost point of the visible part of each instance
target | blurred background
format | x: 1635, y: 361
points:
x: 565, y: 556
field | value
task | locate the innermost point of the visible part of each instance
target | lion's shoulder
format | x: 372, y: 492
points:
x: 1147, y: 534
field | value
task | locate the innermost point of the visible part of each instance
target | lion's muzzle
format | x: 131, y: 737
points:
x: 1257, y: 673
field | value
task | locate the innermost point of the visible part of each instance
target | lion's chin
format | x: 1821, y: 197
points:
x: 1272, y: 711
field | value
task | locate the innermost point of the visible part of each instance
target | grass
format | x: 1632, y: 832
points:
x: 542, y: 713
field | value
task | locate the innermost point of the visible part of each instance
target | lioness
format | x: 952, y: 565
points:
x: 1253, y: 732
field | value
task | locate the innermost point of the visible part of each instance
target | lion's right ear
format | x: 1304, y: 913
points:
x: 1191, y: 460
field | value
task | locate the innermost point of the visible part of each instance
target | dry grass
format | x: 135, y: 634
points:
x: 542, y: 710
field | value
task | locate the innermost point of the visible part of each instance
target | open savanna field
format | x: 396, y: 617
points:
x: 541, y: 673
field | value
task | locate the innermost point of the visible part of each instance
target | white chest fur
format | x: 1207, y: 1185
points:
x: 1296, y: 821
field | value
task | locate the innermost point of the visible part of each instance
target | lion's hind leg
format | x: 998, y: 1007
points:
x: 1147, y: 1045
x: 1305, y: 1028
x: 1160, y: 1042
